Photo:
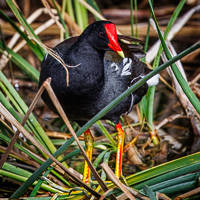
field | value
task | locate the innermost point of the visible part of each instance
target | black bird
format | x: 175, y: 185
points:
x: 100, y: 76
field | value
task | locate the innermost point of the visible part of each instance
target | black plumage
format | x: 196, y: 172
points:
x: 101, y: 75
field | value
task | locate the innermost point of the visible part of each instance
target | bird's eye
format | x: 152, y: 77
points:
x: 101, y: 34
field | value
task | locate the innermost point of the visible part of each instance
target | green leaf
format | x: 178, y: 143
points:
x: 22, y: 20
x: 26, y: 67
x: 17, y: 170
x: 149, y: 192
x: 183, y: 83
x: 33, y: 46
x: 106, y: 160
x: 81, y: 15
x: 180, y: 188
x: 175, y: 181
x: 32, y: 122
x: 106, y: 133
x: 151, y: 90
x: 164, y: 168
x: 61, y: 20
x: 23, y: 179
x: 99, y: 159
x: 169, y: 175
x: 24, y: 23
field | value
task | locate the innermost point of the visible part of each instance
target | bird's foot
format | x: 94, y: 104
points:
x: 89, y: 148
x: 127, y: 65
x: 120, y: 147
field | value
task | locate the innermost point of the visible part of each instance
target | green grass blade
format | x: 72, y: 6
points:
x: 25, y: 24
x: 31, y: 155
x: 7, y: 140
x: 183, y: 83
x: 9, y: 95
x: 70, y: 10
x: 180, y: 188
x: 71, y: 154
x: 21, y: 148
x: 84, y: 14
x: 39, y: 183
x: 105, y: 160
x: 21, y: 19
x: 19, y: 192
x: 164, y: 168
x: 169, y: 175
x: 151, y: 90
x: 29, y: 125
x: 149, y: 192
x: 106, y: 133
x: 34, y: 47
x: 175, y: 181
x: 136, y: 19
x: 94, y: 5
x: 99, y: 159
x: 16, y: 170
x: 26, y: 67
x: 61, y: 20
x: 168, y: 28
x: 143, y: 104
x: 81, y: 15
x: 23, y: 179
x: 78, y: 12
x: 150, y: 97
x: 132, y: 18
x: 146, y: 40
x: 37, y: 128
x: 40, y: 198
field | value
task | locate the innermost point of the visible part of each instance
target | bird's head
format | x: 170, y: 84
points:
x: 103, y: 36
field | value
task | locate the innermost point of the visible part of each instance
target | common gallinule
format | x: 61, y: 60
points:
x: 100, y: 76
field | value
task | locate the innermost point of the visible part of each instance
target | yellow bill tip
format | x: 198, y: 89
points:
x: 121, y: 54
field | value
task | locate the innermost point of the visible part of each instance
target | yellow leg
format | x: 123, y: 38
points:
x: 120, y: 147
x: 89, y: 147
